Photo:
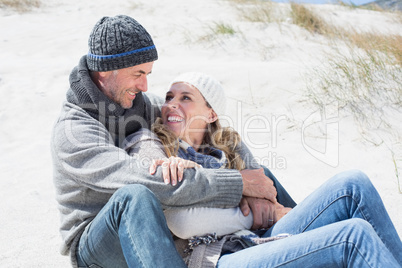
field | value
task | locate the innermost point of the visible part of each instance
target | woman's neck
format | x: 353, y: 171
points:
x: 196, y: 144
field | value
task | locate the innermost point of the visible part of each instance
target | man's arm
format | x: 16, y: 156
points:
x: 85, y: 153
x: 255, y: 183
x: 265, y: 212
x: 185, y: 223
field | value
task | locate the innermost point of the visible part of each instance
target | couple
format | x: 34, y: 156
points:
x: 112, y: 209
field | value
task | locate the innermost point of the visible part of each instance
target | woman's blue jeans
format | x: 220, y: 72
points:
x: 342, y: 224
x: 130, y: 231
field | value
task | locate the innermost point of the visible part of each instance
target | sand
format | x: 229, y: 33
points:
x: 262, y: 68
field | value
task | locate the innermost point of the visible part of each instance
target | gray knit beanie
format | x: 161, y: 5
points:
x: 119, y: 42
x: 209, y: 87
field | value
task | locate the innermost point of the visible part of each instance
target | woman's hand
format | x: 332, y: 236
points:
x: 172, y: 168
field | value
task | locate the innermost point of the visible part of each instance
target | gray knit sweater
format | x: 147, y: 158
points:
x: 146, y: 145
x: 89, y: 164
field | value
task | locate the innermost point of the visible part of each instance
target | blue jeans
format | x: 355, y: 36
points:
x: 130, y: 231
x: 342, y: 224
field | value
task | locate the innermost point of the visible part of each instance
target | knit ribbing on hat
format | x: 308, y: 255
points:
x: 208, y: 86
x: 119, y: 42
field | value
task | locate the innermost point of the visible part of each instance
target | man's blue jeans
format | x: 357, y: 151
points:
x: 130, y: 231
x: 113, y: 241
x: 342, y: 224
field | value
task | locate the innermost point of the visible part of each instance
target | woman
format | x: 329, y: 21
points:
x: 343, y: 223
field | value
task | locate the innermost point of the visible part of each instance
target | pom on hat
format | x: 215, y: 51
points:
x: 119, y: 42
x: 209, y: 87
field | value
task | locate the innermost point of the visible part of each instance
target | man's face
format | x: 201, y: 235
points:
x: 122, y: 85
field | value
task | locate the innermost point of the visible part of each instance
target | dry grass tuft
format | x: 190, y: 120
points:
x: 217, y: 33
x: 367, y: 84
x: 395, y: 160
x: 306, y: 18
x: 255, y: 10
x: 364, y: 77
x: 390, y: 45
x: 220, y: 28
x: 258, y: 11
x: 20, y: 5
x: 361, y: 73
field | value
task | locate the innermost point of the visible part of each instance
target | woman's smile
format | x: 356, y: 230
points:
x: 185, y: 113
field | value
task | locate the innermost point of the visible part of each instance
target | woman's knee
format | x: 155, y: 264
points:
x: 359, y: 224
x: 353, y: 179
x: 357, y: 228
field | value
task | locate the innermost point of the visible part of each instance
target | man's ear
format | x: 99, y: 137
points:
x: 212, y: 116
x: 105, y: 74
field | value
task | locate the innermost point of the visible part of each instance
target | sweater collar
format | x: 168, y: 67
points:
x: 119, y: 122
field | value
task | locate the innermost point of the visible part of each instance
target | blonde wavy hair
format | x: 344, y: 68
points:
x: 225, y: 139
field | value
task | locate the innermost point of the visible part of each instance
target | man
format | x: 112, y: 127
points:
x: 111, y: 213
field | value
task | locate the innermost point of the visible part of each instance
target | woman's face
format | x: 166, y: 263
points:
x: 185, y: 112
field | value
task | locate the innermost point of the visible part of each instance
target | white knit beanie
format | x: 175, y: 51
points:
x: 209, y: 87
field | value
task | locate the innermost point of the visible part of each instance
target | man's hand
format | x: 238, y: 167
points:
x: 265, y: 213
x: 256, y: 184
x: 281, y: 211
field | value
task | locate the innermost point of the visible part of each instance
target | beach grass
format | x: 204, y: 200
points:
x: 221, y: 28
x: 370, y: 67
x: 361, y: 72
x: 216, y: 33
x: 20, y: 5
x: 371, y: 59
x: 389, y: 44
x: 363, y: 82
x: 394, y: 160
x: 309, y: 20
x: 366, y: 84
x: 256, y: 10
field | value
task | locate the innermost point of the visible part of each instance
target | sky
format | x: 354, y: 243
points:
x: 356, y: 2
